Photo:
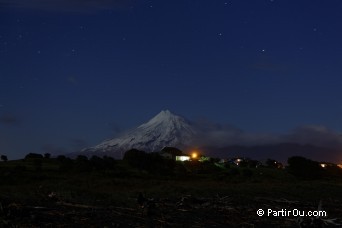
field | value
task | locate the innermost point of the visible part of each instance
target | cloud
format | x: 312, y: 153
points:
x: 67, y: 5
x: 218, y: 135
x: 316, y: 135
x: 312, y: 141
x: 221, y: 135
x: 9, y: 119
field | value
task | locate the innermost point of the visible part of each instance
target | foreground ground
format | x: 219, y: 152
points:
x: 129, y: 198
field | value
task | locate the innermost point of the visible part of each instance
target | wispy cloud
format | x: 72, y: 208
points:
x: 316, y: 135
x: 221, y: 135
x: 9, y: 119
x: 213, y: 134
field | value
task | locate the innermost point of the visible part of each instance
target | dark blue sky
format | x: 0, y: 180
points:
x: 73, y: 73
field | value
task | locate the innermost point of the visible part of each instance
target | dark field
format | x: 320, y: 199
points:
x: 49, y: 193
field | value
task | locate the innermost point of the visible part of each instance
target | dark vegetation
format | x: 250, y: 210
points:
x: 145, y: 189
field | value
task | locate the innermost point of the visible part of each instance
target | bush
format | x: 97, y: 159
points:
x: 33, y: 156
x: 270, y: 163
x: 304, y: 168
x: 234, y: 172
x: 38, y: 164
x: 82, y: 164
x: 47, y: 155
x: 136, y: 158
x: 247, y: 173
x: 66, y: 164
x: 173, y: 151
x: 109, y: 162
x: 152, y: 162
x: 3, y: 158
x: 61, y: 158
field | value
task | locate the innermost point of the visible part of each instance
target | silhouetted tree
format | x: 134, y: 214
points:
x: 253, y: 163
x: 109, y: 162
x: 173, y: 151
x: 154, y: 163
x: 4, y: 158
x: 65, y: 164
x: 61, y: 158
x: 213, y: 160
x: 97, y: 162
x: 38, y: 165
x: 270, y: 163
x: 332, y: 170
x: 180, y: 169
x: 247, y: 172
x: 47, y: 155
x: 81, y: 158
x: 243, y: 163
x: 33, y: 156
x: 82, y: 163
x: 304, y: 168
x: 135, y: 158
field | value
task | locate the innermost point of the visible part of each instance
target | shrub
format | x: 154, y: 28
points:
x: 3, y: 158
x: 33, y: 156
x: 47, y: 155
x: 136, y: 158
x: 304, y: 168
x: 247, y: 173
x: 234, y: 172
x: 37, y: 163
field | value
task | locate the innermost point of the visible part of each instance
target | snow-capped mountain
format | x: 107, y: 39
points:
x: 165, y: 129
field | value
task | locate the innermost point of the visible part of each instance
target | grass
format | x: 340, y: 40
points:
x: 21, y: 181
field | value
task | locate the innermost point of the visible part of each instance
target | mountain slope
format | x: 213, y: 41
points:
x: 165, y: 129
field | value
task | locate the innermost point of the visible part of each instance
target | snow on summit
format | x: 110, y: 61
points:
x: 165, y: 129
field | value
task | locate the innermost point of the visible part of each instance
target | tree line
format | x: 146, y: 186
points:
x: 154, y: 163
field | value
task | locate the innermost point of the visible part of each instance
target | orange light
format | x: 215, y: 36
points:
x: 194, y: 155
x: 340, y: 166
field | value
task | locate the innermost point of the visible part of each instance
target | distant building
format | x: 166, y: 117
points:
x: 183, y: 158
x: 236, y: 161
x: 170, y: 153
x: 328, y: 164
x: 166, y: 155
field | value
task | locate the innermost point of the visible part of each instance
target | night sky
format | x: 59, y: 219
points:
x: 75, y: 72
